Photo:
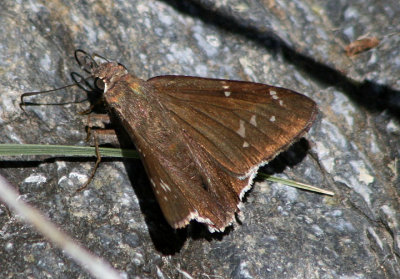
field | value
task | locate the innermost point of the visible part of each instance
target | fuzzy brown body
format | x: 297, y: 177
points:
x: 202, y: 140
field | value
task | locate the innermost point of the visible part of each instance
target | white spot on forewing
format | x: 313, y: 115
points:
x: 273, y: 94
x: 280, y: 102
x: 152, y: 183
x: 227, y: 93
x: 164, y: 186
x: 253, y: 120
x: 245, y: 144
x: 242, y: 130
x: 225, y: 86
x: 272, y: 118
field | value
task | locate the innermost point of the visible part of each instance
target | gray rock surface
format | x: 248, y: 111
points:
x: 283, y: 233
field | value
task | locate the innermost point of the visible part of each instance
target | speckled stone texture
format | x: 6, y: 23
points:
x: 283, y: 232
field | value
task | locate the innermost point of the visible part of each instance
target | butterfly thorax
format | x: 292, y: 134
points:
x: 118, y: 83
x: 131, y: 99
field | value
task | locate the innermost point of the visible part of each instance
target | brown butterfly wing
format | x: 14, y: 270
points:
x: 187, y: 182
x: 239, y: 124
x: 202, y: 140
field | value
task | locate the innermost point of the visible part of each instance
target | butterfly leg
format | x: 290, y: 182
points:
x: 95, y: 133
x: 98, y: 155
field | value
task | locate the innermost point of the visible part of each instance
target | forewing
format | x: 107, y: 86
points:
x: 239, y: 124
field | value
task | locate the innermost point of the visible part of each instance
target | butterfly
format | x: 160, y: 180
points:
x: 201, y: 140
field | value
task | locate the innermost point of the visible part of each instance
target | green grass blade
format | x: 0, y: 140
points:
x: 88, y: 151
x: 64, y: 150
x: 296, y: 184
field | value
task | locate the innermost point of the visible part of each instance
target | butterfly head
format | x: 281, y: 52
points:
x: 99, y: 67
x: 109, y: 71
